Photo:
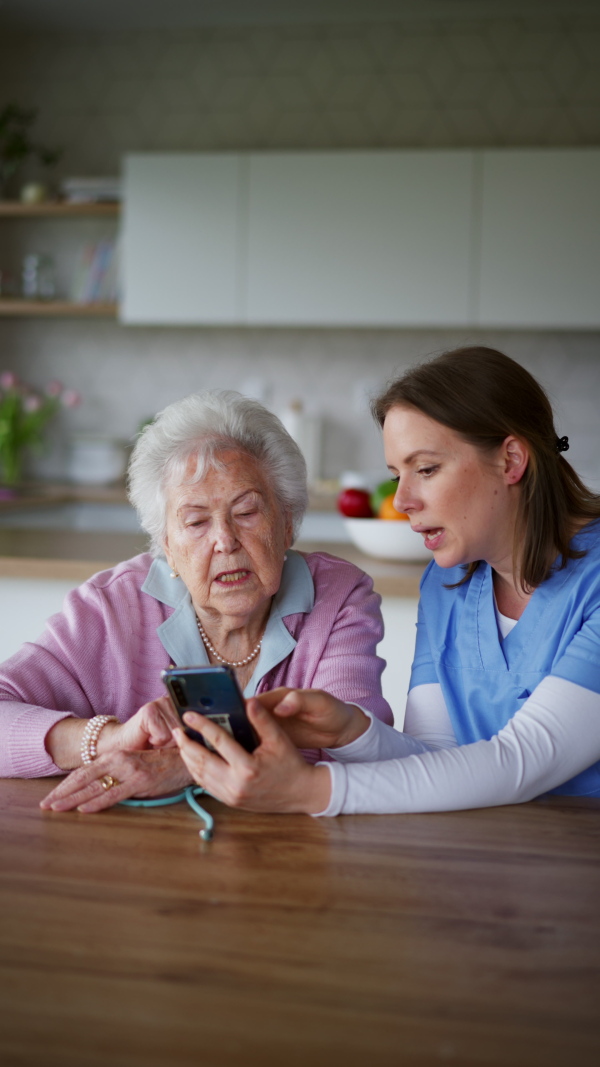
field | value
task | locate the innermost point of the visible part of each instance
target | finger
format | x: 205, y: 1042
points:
x: 107, y: 798
x: 170, y: 715
x: 191, y: 751
x: 194, y: 755
x: 160, y: 720
x: 159, y: 731
x: 292, y: 703
x: 221, y: 741
x: 272, y: 697
x: 267, y: 728
x: 311, y: 703
x: 92, y: 797
x: 75, y: 781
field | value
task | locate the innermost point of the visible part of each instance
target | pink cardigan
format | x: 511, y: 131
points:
x: 102, y: 655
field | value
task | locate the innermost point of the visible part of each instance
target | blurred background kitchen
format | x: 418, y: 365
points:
x: 112, y: 80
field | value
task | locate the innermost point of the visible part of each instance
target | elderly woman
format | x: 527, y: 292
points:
x: 220, y: 487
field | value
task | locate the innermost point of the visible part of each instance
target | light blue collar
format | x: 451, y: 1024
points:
x: 179, y: 633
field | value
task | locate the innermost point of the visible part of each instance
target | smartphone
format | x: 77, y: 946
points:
x: 215, y: 693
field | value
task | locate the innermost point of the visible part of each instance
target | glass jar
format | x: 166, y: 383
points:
x: 37, y: 280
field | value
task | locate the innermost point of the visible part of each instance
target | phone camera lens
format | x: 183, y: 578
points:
x: 179, y: 692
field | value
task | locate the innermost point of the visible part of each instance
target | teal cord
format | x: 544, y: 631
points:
x: 189, y: 793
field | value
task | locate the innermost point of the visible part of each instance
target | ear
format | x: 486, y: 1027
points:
x: 169, y: 558
x: 289, y: 532
x: 515, y: 458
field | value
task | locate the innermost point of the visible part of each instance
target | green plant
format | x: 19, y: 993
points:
x: 24, y: 413
x: 16, y: 144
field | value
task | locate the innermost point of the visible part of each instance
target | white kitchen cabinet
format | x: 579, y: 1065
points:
x: 431, y: 238
x: 181, y: 239
x: 360, y: 238
x: 540, y: 238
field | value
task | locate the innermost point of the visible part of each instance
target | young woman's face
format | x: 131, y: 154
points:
x: 461, y: 500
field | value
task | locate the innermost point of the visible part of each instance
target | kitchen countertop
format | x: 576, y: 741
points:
x: 74, y: 555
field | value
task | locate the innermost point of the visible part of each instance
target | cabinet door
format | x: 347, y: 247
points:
x: 181, y: 235
x: 540, y: 238
x: 359, y: 238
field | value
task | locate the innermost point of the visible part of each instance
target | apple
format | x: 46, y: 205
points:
x: 355, y: 504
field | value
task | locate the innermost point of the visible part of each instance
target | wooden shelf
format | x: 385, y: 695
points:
x: 56, y: 209
x: 56, y: 308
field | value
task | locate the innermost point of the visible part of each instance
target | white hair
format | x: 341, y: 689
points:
x: 204, y: 425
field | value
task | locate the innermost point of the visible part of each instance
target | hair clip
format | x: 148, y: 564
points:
x: 562, y: 444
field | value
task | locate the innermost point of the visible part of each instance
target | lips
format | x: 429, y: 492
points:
x: 432, y: 536
x: 232, y: 577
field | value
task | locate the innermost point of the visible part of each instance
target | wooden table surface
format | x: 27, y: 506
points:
x: 468, y: 938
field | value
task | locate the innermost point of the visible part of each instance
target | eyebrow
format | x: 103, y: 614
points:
x: 420, y: 452
x: 188, y: 506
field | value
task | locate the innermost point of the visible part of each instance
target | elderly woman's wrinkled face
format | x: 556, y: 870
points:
x: 227, y: 536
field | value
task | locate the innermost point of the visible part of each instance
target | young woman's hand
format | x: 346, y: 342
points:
x: 273, y: 778
x: 152, y: 773
x: 314, y: 719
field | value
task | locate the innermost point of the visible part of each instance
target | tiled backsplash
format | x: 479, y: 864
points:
x: 490, y: 82
x: 126, y: 374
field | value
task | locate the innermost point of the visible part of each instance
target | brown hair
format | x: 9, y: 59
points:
x: 485, y: 396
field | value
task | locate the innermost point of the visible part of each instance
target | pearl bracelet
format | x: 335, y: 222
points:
x: 89, y: 738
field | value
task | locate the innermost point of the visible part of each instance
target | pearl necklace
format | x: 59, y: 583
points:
x: 227, y: 662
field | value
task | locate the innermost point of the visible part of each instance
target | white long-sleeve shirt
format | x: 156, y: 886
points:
x: 553, y: 737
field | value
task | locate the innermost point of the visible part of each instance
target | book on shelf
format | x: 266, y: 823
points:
x: 91, y: 190
x: 96, y: 278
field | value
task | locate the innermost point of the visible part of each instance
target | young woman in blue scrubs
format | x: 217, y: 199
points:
x: 504, y: 700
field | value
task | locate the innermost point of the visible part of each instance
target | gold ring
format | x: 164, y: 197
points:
x: 107, y: 781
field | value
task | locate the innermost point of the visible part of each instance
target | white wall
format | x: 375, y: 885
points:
x: 26, y: 604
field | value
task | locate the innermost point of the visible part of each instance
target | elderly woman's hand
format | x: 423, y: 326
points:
x: 273, y: 778
x: 151, y: 727
x: 140, y: 755
x: 136, y: 774
x: 314, y: 719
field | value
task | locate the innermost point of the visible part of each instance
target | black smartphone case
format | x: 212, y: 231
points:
x: 214, y: 692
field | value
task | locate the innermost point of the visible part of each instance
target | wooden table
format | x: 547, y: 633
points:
x: 466, y: 938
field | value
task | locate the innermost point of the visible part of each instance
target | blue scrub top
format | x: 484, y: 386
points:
x: 485, y: 679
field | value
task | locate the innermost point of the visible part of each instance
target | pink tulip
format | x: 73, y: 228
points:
x: 8, y: 380
x: 32, y: 403
x: 54, y: 388
x: 71, y: 398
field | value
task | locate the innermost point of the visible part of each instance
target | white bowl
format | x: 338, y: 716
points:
x: 387, y: 539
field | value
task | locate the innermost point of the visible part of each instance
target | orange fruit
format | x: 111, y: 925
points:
x: 388, y: 511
